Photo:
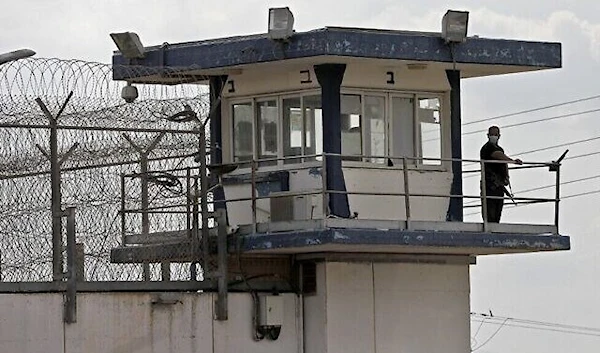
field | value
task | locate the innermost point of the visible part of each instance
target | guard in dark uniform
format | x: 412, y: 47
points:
x: 496, y: 174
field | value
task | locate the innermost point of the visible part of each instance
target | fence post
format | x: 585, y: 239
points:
x: 204, y: 204
x: 144, y: 153
x: 71, y: 297
x: 222, y: 263
x: 406, y: 192
x: 80, y: 261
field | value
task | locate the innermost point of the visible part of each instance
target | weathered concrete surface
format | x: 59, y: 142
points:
x: 137, y: 323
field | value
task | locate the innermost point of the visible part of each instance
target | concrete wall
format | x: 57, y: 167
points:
x: 389, y: 308
x: 359, y: 307
x: 130, y: 322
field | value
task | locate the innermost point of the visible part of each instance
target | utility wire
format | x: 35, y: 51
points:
x: 541, y: 328
x: 556, y: 117
x: 538, y: 325
x: 492, y: 336
x: 548, y: 148
x: 562, y: 116
x: 532, y: 110
x: 546, y: 187
x: 509, y: 206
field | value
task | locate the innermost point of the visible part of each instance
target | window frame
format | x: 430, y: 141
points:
x: 387, y: 95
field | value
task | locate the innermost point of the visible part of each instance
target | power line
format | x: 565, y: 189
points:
x: 492, y: 336
x: 562, y: 116
x: 510, y: 206
x: 537, y: 322
x: 567, y: 144
x: 532, y: 110
x: 581, y: 194
x: 537, y: 325
x: 575, y: 332
x: 546, y: 186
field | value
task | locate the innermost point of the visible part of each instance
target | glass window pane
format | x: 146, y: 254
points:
x: 375, y: 128
x: 430, y: 130
x: 267, y: 130
x: 292, y: 129
x: 402, y: 128
x: 242, y: 132
x: 313, y: 116
x: 351, y: 109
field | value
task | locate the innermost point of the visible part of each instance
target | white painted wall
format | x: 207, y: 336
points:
x: 384, y: 180
x: 130, y: 323
x: 389, y: 308
x: 369, y: 207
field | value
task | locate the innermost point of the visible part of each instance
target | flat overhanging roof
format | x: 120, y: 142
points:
x: 195, y: 61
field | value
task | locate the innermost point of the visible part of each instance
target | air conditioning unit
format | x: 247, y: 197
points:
x: 291, y: 208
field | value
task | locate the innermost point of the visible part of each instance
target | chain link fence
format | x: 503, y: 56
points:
x: 99, y: 139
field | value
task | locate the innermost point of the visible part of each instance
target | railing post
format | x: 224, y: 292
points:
x: 204, y: 202
x: 71, y: 297
x: 557, y: 197
x: 324, y: 182
x: 483, y: 198
x: 253, y: 181
x: 406, y: 192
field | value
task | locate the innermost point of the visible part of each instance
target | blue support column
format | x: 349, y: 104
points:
x: 455, y: 208
x: 216, y: 84
x: 330, y: 78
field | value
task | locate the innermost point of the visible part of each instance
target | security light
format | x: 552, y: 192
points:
x: 281, y: 23
x: 16, y: 55
x: 129, y: 44
x: 454, y: 26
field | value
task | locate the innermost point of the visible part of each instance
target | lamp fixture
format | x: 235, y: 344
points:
x: 454, y: 26
x: 15, y: 55
x: 281, y: 23
x: 129, y: 44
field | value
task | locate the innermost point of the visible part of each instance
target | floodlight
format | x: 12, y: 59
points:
x: 281, y: 23
x: 129, y: 44
x: 454, y: 26
x: 16, y: 55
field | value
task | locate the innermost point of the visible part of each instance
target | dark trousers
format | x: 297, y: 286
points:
x: 494, y: 206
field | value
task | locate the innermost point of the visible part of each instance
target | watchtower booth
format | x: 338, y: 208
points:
x: 339, y: 150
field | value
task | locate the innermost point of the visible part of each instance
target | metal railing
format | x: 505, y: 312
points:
x: 203, y: 196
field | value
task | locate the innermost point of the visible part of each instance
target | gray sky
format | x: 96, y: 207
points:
x: 554, y: 287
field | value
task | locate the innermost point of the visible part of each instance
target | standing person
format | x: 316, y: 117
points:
x: 496, y: 174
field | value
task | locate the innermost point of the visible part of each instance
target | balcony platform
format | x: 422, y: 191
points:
x: 365, y: 237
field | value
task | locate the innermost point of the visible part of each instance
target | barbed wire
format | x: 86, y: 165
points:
x: 95, y: 135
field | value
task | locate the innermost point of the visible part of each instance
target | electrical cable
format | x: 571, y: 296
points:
x: 531, y: 110
x: 562, y: 116
x: 492, y: 336
x: 539, y: 325
x: 547, y: 186
x: 531, y: 203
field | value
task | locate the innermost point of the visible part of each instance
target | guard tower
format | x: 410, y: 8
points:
x: 335, y: 165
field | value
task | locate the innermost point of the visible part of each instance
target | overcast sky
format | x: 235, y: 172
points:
x: 555, y: 287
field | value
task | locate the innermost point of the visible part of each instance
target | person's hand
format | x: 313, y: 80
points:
x: 518, y: 161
